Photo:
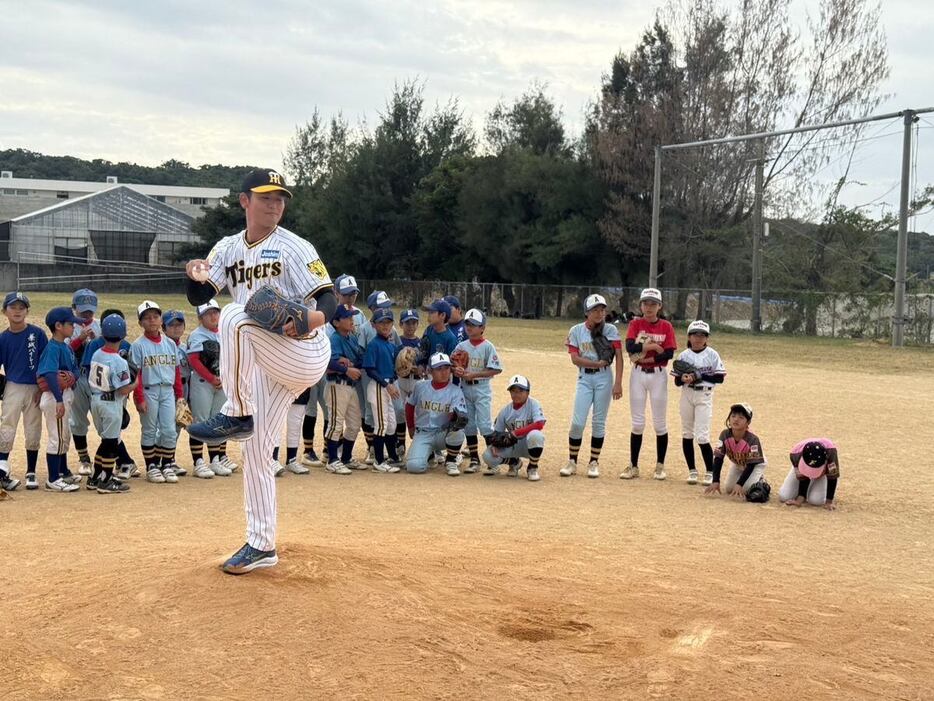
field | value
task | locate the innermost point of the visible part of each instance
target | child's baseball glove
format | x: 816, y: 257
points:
x: 406, y: 361
x: 503, y: 439
x: 602, y: 346
x: 65, y: 380
x: 183, y: 415
x: 642, y: 338
x: 683, y: 367
x: 460, y: 359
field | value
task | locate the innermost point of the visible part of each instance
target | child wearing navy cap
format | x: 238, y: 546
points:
x: 21, y: 345
x: 58, y: 357
x: 379, y: 362
x: 456, y: 318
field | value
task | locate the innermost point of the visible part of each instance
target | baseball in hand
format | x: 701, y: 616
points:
x: 201, y: 272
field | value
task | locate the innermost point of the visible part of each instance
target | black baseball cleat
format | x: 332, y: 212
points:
x: 222, y: 428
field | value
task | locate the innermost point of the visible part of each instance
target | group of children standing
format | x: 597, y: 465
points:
x: 650, y: 343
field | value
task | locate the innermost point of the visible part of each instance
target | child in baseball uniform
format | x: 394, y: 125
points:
x: 435, y: 414
x: 55, y: 403
x: 743, y: 449
x: 650, y: 342
x: 110, y: 381
x: 154, y: 356
x: 173, y: 326
x: 21, y: 345
x: 366, y: 332
x: 379, y: 363
x: 84, y: 306
x: 595, y: 383
x: 523, y: 418
x: 815, y: 470
x: 456, y: 322
x: 205, y: 393
x: 438, y: 338
x: 408, y: 320
x: 483, y: 365
x: 697, y: 398
x: 344, y: 374
x: 126, y: 466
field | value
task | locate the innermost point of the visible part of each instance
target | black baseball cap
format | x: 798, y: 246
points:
x: 264, y: 180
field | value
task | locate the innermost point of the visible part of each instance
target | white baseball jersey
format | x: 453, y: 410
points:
x: 510, y: 418
x: 707, y: 361
x: 282, y: 260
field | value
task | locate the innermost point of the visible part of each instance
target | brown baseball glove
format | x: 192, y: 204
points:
x: 637, y: 357
x: 406, y: 361
x: 183, y: 415
x: 503, y: 439
x: 65, y: 380
x: 460, y: 359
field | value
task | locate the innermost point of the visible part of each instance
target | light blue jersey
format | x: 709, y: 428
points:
x: 433, y: 407
x: 478, y: 393
x: 579, y: 337
x: 109, y: 372
x: 155, y: 360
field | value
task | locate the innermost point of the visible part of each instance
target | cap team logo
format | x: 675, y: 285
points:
x: 274, y: 178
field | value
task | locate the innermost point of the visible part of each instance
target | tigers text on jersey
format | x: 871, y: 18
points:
x: 579, y: 339
x: 155, y: 359
x: 108, y: 372
x: 483, y: 356
x: 707, y: 361
x: 433, y: 406
x: 510, y: 418
x: 282, y: 260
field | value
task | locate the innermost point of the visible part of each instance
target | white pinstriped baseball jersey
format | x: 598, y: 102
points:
x: 282, y: 260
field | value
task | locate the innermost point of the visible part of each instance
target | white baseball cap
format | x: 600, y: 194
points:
x: 651, y: 293
x: 699, y: 327
x: 439, y: 360
x: 520, y: 381
x: 593, y: 301
x: 146, y: 306
x: 207, y: 306
x: 475, y: 317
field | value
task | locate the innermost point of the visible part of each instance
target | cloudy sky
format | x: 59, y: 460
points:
x: 226, y: 82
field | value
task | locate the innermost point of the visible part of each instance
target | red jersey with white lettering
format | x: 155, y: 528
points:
x: 660, y: 331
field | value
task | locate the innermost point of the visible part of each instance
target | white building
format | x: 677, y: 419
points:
x: 19, y: 196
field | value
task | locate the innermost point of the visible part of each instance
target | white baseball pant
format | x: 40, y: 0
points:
x: 263, y: 373
x: 58, y: 430
x: 344, y: 412
x: 18, y: 400
x: 381, y: 408
x: 817, y: 490
x: 654, y: 386
x: 696, y: 412
x: 732, y: 477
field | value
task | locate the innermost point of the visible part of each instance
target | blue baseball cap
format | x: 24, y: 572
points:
x: 84, y: 300
x: 113, y: 326
x: 475, y: 317
x: 439, y: 305
x: 344, y: 311
x: 15, y: 297
x: 61, y: 315
x: 382, y: 314
x: 346, y: 285
x: 378, y: 300
x: 452, y: 300
x: 171, y: 316
x: 408, y: 315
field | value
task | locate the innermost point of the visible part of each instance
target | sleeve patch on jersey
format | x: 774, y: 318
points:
x: 124, y: 375
x: 316, y: 268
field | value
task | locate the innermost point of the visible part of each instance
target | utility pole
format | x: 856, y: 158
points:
x: 901, y: 249
x: 756, y: 322
x: 656, y: 215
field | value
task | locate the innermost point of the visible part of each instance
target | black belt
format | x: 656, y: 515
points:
x: 472, y: 382
x: 341, y: 380
x: 592, y: 371
x: 650, y: 370
x: 700, y: 387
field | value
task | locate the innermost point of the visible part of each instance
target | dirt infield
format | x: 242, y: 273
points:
x: 413, y: 586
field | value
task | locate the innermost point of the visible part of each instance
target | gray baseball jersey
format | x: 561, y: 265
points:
x: 510, y: 418
x: 433, y: 407
x: 579, y: 337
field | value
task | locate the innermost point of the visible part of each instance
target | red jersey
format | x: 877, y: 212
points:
x: 661, y: 332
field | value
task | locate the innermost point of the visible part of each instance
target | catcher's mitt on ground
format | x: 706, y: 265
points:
x: 458, y: 421
x: 460, y: 359
x: 602, y: 346
x: 406, y: 361
x: 501, y: 439
x: 683, y: 367
x: 642, y: 338
x: 65, y: 380
x: 759, y: 492
x: 211, y: 356
x: 183, y: 415
x: 272, y: 311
